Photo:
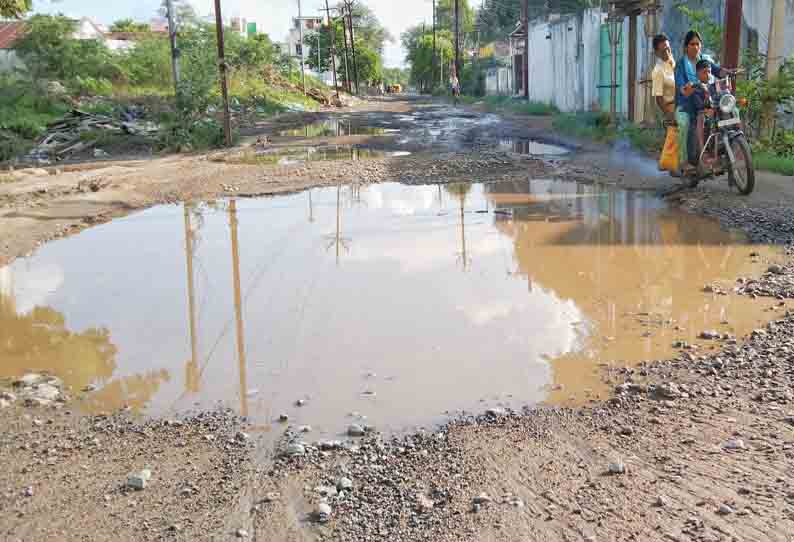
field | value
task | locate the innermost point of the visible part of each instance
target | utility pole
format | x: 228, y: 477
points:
x: 242, y: 366
x: 774, y: 57
x: 733, y: 33
x: 332, y: 31
x: 352, y: 41
x: 525, y: 58
x: 227, y: 120
x: 775, y: 53
x: 300, y: 37
x: 347, y: 52
x: 457, y: 39
x: 174, y: 50
x: 433, y: 78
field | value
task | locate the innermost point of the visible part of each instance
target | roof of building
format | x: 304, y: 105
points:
x: 10, y: 32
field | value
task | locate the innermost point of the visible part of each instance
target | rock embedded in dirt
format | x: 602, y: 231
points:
x: 710, y: 335
x: 296, y: 450
x: 776, y: 269
x: 725, y: 510
x: 241, y: 533
x: 734, y: 444
x: 617, y: 468
x: 344, y: 484
x: 355, y: 430
x: 662, y: 501
x: 424, y: 504
x: 283, y: 418
x: 323, y: 512
x: 495, y: 412
x: 482, y: 498
x: 139, y: 480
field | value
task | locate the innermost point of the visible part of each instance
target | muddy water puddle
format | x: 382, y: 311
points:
x: 325, y: 153
x: 389, y: 303
x: 533, y: 148
x: 335, y: 128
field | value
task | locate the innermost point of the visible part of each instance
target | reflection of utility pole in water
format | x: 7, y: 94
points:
x: 463, y: 232
x: 238, y: 310
x: 192, y: 382
x: 311, y: 208
x: 337, y: 239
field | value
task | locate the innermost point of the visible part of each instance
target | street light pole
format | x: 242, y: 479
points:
x: 227, y: 120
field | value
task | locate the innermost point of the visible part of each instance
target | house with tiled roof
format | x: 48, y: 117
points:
x: 10, y: 32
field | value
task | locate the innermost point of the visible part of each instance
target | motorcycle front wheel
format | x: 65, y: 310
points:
x: 742, y: 173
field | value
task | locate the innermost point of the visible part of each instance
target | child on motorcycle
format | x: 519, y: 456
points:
x: 701, y: 103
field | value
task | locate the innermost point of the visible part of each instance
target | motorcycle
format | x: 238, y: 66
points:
x: 726, y: 150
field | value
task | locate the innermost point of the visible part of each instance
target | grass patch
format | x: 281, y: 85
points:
x: 595, y: 126
x: 767, y: 161
x: 649, y: 139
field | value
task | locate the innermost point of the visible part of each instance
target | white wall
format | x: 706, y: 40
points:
x: 756, y: 14
x: 563, y: 70
x: 498, y: 82
x: 9, y: 60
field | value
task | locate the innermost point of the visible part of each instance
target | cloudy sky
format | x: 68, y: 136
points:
x: 272, y: 16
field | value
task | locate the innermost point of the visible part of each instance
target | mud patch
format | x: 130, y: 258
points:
x: 361, y: 303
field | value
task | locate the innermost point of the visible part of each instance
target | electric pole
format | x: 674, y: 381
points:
x: 457, y: 39
x: 227, y: 120
x: 347, y: 52
x: 300, y: 37
x: 174, y: 50
x: 774, y: 56
x: 526, y: 50
x: 332, y: 31
x: 433, y: 67
x: 352, y: 41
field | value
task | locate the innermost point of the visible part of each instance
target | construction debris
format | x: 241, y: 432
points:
x: 65, y: 138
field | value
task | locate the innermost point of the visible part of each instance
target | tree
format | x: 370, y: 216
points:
x: 128, y: 25
x: 419, y: 45
x: 15, y: 8
x: 184, y: 12
x: 396, y: 76
x: 149, y: 62
x: 49, y: 51
x: 368, y: 28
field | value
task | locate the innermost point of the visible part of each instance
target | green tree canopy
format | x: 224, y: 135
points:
x: 128, y: 25
x: 419, y: 46
x: 15, y: 8
x: 50, y: 52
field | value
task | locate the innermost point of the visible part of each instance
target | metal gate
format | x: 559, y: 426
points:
x: 605, y: 71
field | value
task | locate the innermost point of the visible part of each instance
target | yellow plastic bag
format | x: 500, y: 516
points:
x: 669, y: 159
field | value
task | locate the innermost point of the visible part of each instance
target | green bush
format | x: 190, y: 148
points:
x: 594, y: 126
x: 91, y: 86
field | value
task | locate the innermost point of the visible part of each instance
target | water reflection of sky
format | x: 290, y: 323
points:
x: 446, y: 304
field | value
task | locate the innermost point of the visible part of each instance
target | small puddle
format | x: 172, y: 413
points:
x: 532, y: 147
x: 372, y: 300
x: 297, y: 155
x: 334, y: 128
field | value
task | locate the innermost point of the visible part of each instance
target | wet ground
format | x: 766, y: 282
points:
x: 364, y: 301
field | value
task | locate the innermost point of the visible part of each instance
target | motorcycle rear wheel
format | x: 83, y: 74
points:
x: 742, y: 172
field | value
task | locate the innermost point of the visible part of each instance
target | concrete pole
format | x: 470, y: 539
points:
x: 174, y: 50
x: 353, y: 42
x: 191, y: 384
x: 526, y: 50
x: 777, y: 46
x: 300, y: 37
x: 227, y: 118
x: 457, y: 40
x: 434, y: 43
x: 332, y: 31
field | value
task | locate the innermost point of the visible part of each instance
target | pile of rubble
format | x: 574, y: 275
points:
x: 65, y: 137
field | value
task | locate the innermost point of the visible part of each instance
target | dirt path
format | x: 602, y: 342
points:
x: 701, y: 446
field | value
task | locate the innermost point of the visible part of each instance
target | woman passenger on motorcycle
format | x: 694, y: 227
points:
x: 686, y: 79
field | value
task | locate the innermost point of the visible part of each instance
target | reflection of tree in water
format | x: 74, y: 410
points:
x: 39, y: 340
x: 132, y: 391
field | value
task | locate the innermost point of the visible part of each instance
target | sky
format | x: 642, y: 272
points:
x: 272, y: 16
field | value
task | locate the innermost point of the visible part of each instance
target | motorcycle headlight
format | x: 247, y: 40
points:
x: 727, y: 104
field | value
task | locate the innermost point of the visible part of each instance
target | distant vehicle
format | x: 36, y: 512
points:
x: 395, y: 89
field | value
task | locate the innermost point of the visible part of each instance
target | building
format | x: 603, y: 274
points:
x: 10, y: 32
x: 306, y: 26
x: 570, y: 57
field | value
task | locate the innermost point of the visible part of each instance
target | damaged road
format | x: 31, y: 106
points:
x: 696, y: 445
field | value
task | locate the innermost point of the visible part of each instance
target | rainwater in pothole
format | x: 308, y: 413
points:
x: 397, y: 303
x: 335, y: 128
x: 295, y: 155
x: 533, y: 148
